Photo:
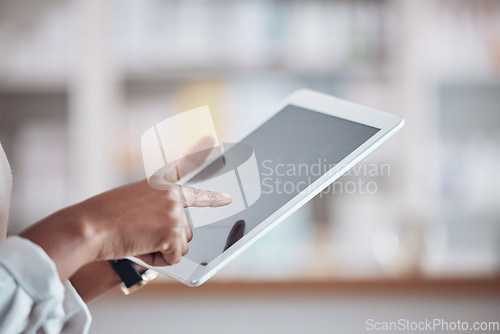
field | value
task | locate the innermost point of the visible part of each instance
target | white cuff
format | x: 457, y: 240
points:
x: 56, y: 307
x: 31, y: 267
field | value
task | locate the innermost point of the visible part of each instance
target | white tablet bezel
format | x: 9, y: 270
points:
x: 311, y: 100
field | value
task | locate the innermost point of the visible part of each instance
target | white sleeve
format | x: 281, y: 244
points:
x: 32, y: 297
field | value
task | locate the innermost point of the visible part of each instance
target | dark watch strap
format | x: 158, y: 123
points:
x: 127, y: 272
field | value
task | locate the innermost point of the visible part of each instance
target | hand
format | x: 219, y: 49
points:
x: 97, y: 277
x: 137, y: 220
x: 133, y: 220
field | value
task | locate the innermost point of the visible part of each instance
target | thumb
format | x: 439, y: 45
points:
x: 204, y: 198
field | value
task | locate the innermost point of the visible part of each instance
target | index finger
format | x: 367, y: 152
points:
x: 204, y: 198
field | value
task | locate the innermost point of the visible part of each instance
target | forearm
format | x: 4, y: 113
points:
x: 71, y: 242
x: 67, y: 239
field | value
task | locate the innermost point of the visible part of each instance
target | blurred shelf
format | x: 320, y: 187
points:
x: 168, y: 75
x: 466, y: 80
x: 164, y: 79
x: 33, y: 85
x: 240, y: 71
x: 150, y: 79
x: 463, y: 286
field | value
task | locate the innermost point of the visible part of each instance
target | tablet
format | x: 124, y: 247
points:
x: 310, y: 140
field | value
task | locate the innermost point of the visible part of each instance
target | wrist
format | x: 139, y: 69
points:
x: 131, y: 276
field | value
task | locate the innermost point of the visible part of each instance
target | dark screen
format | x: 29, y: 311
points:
x: 293, y: 149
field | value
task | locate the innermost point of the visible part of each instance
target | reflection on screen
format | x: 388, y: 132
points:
x: 293, y: 149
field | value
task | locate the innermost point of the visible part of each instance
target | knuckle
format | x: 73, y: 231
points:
x: 191, y: 195
x: 172, y: 212
x: 189, y: 234
x: 175, y: 257
x: 195, y: 191
x: 175, y: 218
x: 164, y: 246
x: 213, y: 195
x: 170, y: 238
x: 175, y: 232
x: 172, y: 194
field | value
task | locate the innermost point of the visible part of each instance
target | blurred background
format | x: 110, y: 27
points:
x: 81, y: 80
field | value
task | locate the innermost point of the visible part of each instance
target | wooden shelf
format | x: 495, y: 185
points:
x: 425, y: 287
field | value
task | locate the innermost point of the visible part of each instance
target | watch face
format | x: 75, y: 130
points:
x: 147, y: 277
x: 127, y: 271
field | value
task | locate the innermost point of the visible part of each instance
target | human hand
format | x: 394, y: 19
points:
x: 137, y: 220
x: 133, y: 220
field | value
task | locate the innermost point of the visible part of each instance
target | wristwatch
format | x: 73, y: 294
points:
x: 132, y: 279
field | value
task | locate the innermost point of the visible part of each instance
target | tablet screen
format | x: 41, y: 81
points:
x: 292, y: 150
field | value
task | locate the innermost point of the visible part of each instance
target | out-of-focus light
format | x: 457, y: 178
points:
x: 385, y: 246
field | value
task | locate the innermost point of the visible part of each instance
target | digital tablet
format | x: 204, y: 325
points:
x: 310, y: 140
